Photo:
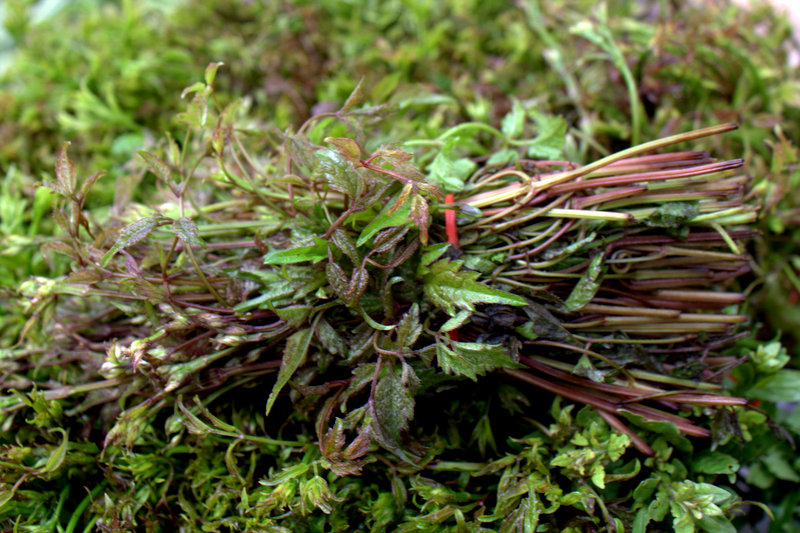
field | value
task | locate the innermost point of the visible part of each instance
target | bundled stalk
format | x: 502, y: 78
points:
x: 337, y: 285
x: 607, y: 283
x: 629, y: 255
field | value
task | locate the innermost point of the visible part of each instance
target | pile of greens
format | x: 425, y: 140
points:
x: 279, y: 318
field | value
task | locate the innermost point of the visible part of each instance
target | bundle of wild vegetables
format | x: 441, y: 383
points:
x: 319, y: 287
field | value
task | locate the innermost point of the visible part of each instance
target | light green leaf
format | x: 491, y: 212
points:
x: 502, y: 156
x: 58, y: 455
x: 456, y: 322
x: 783, y: 386
x: 447, y: 170
x: 472, y: 359
x: 131, y: 234
x: 211, y: 72
x: 314, y: 253
x: 587, y: 287
x: 514, y: 120
x: 551, y: 138
x: 293, y: 356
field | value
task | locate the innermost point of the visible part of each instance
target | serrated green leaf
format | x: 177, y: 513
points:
x: 314, y: 253
x: 131, y: 234
x: 157, y: 166
x: 393, y: 408
x: 449, y: 289
x: 186, y: 231
x: 587, y: 286
x: 286, y: 474
x: 294, y: 315
x: 408, y: 328
x: 551, y: 137
x: 330, y: 339
x: 385, y: 219
x: 293, y: 356
x: 472, y: 359
x: 346, y: 244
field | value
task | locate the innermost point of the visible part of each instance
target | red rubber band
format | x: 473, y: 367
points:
x: 451, y: 229
x: 450, y: 221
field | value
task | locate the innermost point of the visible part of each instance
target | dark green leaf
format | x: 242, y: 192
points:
x: 293, y: 356
x: 343, y: 241
x: 672, y: 215
x: 355, y: 97
x: 408, y: 328
x: 393, y: 408
x: 339, y: 172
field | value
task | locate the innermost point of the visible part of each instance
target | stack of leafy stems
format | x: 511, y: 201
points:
x: 620, y: 263
x: 660, y: 292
